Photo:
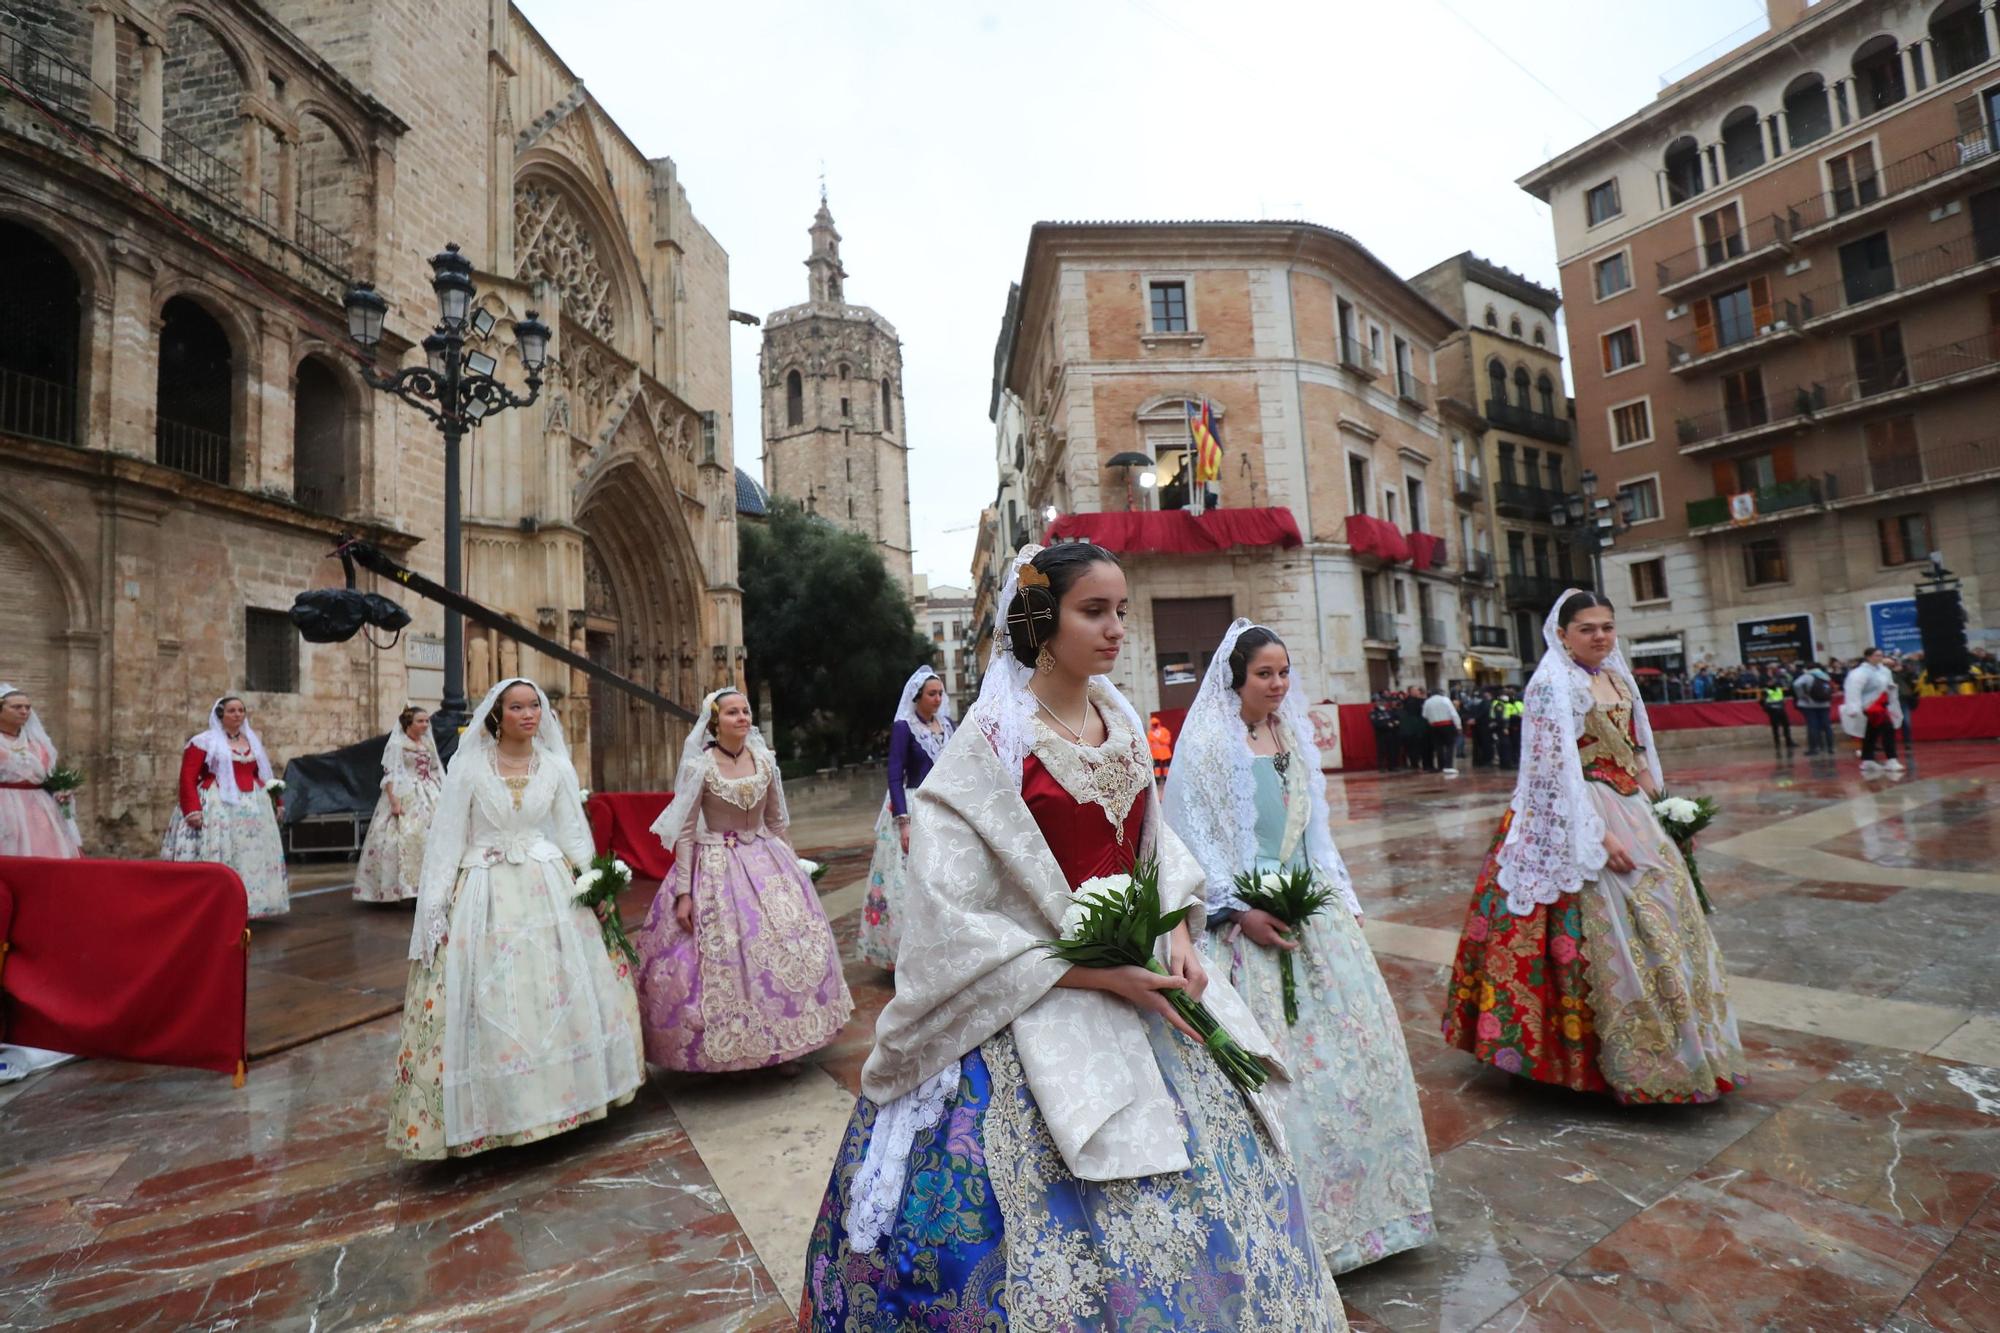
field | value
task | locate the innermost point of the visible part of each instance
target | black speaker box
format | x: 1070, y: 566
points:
x: 1941, y: 622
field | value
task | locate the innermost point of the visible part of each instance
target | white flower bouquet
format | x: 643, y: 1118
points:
x: 1683, y: 817
x: 1115, y: 921
x: 598, y: 886
x: 275, y: 788
x: 1294, y: 897
x: 814, y: 869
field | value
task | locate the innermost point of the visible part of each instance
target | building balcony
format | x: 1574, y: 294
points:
x: 1468, y: 488
x: 1354, y: 358
x: 1925, y: 374
x: 1907, y: 278
x: 36, y: 408
x: 1721, y: 346
x: 1943, y: 167
x: 1524, y: 500
x: 1489, y: 636
x: 1916, y: 473
x: 1379, y: 627
x: 1432, y: 631
x: 1786, y: 499
x: 1541, y: 590
x: 1478, y: 567
x: 1754, y: 419
x: 1527, y: 421
x: 1411, y: 390
x: 1734, y: 255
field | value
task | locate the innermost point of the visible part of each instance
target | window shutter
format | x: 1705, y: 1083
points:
x: 1783, y: 464
x: 1760, y: 301
x: 1604, y: 349
x: 1890, y: 533
x: 1971, y: 125
x: 1704, y: 325
x: 1724, y: 473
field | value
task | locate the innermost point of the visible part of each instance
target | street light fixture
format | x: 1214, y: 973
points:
x: 456, y: 390
x: 1589, y: 523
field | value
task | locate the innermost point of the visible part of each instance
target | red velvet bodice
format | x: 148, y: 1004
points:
x: 1078, y: 832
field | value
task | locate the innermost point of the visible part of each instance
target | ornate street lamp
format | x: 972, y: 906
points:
x: 456, y: 390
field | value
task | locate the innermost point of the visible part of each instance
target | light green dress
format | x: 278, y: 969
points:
x: 1350, y: 1111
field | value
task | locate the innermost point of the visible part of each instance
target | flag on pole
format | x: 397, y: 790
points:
x: 1208, y: 446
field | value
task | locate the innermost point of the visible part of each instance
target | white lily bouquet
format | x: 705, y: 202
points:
x: 1683, y: 817
x: 1116, y: 921
x: 275, y: 788
x: 598, y: 886
x: 1294, y: 897
x: 813, y: 869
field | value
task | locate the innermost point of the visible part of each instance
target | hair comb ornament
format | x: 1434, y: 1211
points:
x: 1033, y: 578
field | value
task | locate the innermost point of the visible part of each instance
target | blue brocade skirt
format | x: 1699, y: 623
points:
x: 993, y: 1232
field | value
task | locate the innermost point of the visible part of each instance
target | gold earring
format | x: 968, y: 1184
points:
x: 1045, y: 661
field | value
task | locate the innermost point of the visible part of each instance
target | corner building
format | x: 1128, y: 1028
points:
x: 185, y: 193
x: 1317, y: 362
x: 1782, y: 280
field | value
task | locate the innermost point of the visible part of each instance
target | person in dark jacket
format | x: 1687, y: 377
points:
x: 1478, y: 713
x: 1383, y: 720
x: 1414, y: 731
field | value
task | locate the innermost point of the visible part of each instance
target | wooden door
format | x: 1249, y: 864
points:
x: 1893, y: 458
x: 1186, y: 631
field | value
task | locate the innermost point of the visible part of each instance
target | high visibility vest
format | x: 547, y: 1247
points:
x: 1774, y: 695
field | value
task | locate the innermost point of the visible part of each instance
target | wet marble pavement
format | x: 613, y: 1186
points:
x: 1851, y: 1185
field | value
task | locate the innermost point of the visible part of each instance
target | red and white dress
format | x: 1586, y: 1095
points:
x: 32, y: 822
x: 241, y: 834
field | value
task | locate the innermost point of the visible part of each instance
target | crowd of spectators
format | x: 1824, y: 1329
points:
x: 1708, y: 681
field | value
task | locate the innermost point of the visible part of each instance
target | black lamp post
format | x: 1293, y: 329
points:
x: 456, y: 390
x: 1590, y: 524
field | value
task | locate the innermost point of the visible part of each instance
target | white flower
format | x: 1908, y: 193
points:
x: 1272, y: 882
x: 810, y: 867
x: 1104, y: 886
x: 588, y: 879
x: 1677, y: 810
x: 274, y: 786
x: 584, y: 795
x: 621, y: 867
x: 1072, y: 922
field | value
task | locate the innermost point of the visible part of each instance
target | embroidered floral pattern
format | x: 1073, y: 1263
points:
x: 1110, y: 776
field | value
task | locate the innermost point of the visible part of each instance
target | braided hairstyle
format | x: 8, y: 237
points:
x: 1036, y: 611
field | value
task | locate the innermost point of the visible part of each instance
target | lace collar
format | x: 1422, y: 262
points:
x: 1110, y: 776
x: 743, y: 792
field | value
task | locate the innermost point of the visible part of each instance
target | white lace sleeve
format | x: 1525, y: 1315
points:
x: 572, y: 829
x: 444, y: 848
x: 1556, y: 840
x: 877, y: 1189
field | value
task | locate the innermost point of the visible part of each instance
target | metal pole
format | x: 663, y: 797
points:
x: 451, y: 424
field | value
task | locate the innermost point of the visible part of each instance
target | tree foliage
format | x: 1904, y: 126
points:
x: 827, y: 629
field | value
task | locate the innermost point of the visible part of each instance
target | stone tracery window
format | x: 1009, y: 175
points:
x: 556, y: 245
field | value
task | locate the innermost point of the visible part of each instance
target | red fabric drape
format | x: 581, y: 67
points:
x: 1949, y: 717
x: 127, y: 960
x: 1177, y: 532
x: 1357, y: 738
x: 1424, y: 549
x: 621, y: 823
x: 1377, y: 537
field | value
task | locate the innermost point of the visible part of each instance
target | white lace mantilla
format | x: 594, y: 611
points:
x: 877, y: 1189
x: 1110, y: 776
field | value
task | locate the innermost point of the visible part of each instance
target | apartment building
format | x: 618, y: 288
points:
x: 1329, y: 520
x: 1782, y: 279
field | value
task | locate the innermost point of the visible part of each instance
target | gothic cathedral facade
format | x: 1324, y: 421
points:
x: 835, y: 435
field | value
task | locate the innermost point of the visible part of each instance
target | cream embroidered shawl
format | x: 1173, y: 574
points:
x: 983, y: 891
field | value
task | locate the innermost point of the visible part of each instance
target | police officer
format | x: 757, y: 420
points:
x: 1511, y: 711
x: 1773, y: 696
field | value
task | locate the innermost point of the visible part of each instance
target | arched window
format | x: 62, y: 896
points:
x: 888, y: 408
x: 795, y: 399
x: 845, y: 370
x: 1958, y: 37
x: 192, y: 422
x: 321, y: 424
x: 1492, y: 318
x: 1545, y: 391
x: 40, y: 305
x: 1742, y: 141
x: 1683, y: 169
x: 1496, y: 376
x: 1521, y: 387
x: 1807, y: 119
x: 1514, y: 325
x: 1541, y: 336
x: 1878, y: 75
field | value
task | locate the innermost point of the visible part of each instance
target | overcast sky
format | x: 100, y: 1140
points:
x: 947, y: 129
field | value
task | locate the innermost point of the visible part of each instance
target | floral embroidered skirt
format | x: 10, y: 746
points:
x: 881, y: 928
x: 392, y: 856
x: 758, y: 982
x: 521, y: 1027
x: 243, y: 836
x: 1619, y: 988
x: 1350, y: 1111
x: 993, y: 1232
x: 33, y: 823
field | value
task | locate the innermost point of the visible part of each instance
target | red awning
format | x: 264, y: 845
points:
x: 1377, y: 537
x: 1177, y: 532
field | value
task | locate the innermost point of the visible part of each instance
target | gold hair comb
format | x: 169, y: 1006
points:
x: 1033, y: 578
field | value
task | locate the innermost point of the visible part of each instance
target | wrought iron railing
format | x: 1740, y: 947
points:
x: 1768, y: 232
x: 1527, y: 421
x: 185, y: 448
x: 1433, y: 630
x: 1489, y: 636
x: 1734, y: 333
x: 1525, y: 499
x: 1972, y: 148
x: 1910, y: 370
x: 1468, y: 485
x: 1803, y: 493
x: 1479, y: 565
x: 1970, y: 458
x: 37, y: 408
x: 1771, y: 408
x: 1543, y: 589
x: 1381, y: 626
x: 1916, y: 268
x: 1411, y: 389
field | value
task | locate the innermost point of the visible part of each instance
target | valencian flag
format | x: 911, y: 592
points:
x: 1207, y: 443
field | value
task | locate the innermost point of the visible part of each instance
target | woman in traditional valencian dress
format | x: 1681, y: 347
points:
x: 922, y: 726
x: 1246, y: 795
x: 32, y: 822
x: 1039, y: 1146
x: 1586, y: 960
x: 227, y: 811
x: 737, y: 964
x: 392, y: 859
x: 518, y: 1023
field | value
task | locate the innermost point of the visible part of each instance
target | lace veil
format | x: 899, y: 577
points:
x: 451, y: 826
x: 930, y: 742
x: 214, y: 742
x: 1210, y: 795
x: 690, y: 777
x: 1556, y: 840
x: 33, y: 732
x: 398, y: 751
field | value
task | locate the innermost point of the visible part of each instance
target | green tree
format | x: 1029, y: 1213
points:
x: 829, y: 631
